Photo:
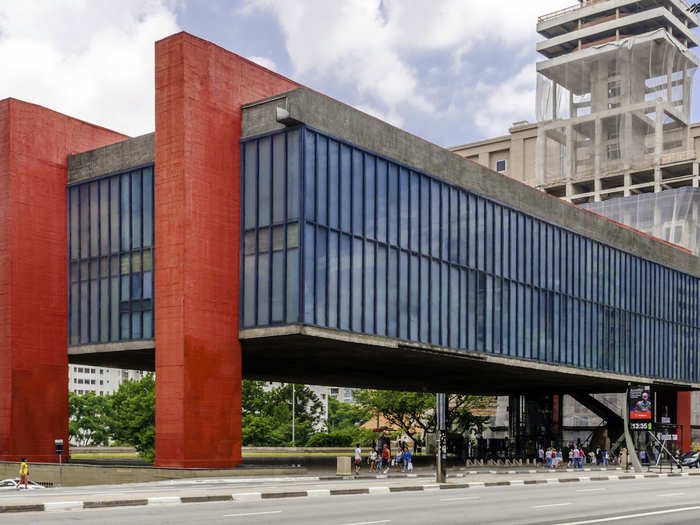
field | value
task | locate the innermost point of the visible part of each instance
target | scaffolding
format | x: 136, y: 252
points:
x: 615, y: 106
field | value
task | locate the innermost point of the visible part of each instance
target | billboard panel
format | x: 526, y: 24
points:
x: 640, y: 403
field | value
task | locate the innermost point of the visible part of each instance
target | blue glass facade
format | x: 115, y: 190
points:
x: 383, y: 249
x: 110, y: 252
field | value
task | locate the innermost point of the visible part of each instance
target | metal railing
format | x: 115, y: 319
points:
x: 555, y: 14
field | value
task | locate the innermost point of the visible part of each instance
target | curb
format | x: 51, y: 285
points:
x: 56, y: 506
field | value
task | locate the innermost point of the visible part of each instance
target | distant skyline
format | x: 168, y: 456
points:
x: 449, y: 71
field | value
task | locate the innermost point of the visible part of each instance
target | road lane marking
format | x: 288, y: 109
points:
x: 629, y: 516
x: 551, y: 505
x: 368, y: 522
x: 252, y: 514
x: 590, y: 490
x: 669, y: 494
x: 465, y: 498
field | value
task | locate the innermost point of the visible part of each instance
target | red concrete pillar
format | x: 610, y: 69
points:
x: 683, y: 419
x: 200, y: 88
x: 34, y: 147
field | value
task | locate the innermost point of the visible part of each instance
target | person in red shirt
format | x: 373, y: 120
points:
x: 386, y: 456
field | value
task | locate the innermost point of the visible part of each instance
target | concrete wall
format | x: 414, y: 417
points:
x: 114, y: 158
x: 34, y: 146
x: 359, y: 128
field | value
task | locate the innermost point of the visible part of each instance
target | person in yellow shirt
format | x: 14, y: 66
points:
x: 23, y: 474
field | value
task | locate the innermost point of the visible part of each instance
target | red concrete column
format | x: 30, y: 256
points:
x: 683, y: 419
x: 34, y: 146
x: 200, y: 88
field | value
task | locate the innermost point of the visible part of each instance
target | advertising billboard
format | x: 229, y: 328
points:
x: 640, y: 403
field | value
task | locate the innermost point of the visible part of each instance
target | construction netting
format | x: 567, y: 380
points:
x: 616, y: 105
x: 671, y: 215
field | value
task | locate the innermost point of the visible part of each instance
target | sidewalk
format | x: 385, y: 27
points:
x: 210, y: 490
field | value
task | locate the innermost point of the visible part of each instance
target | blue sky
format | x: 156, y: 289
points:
x: 451, y: 71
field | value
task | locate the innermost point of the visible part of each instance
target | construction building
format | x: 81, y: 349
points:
x: 613, y: 131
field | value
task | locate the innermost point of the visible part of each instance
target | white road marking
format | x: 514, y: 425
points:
x: 368, y: 522
x: 551, y: 505
x: 252, y: 514
x: 465, y: 498
x: 590, y: 490
x: 669, y: 494
x: 629, y: 516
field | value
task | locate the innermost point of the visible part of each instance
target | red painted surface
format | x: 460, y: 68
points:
x: 683, y: 419
x: 199, y: 91
x: 34, y: 146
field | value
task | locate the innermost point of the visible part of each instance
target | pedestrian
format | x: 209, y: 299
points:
x: 605, y: 458
x: 373, y: 461
x: 398, y: 463
x: 548, y: 455
x: 560, y: 460
x: 571, y: 458
x: 358, y: 458
x: 386, y: 456
x: 407, y: 466
x: 540, y: 456
x: 23, y: 474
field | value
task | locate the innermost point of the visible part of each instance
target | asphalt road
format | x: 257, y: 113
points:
x: 648, y: 501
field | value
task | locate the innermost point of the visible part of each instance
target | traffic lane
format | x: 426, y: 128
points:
x: 570, y: 503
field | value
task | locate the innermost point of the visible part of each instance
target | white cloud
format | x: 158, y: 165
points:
x: 264, y: 62
x: 372, y: 47
x: 90, y: 60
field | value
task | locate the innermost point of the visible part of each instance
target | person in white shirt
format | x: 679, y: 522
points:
x: 358, y: 458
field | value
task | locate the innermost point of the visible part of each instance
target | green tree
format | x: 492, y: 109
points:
x: 345, y: 415
x: 88, y: 416
x: 414, y: 412
x: 132, y: 419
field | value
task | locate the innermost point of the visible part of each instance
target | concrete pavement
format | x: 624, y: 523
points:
x: 671, y: 500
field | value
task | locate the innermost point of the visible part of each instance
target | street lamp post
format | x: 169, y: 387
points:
x: 293, y: 416
x: 441, y: 458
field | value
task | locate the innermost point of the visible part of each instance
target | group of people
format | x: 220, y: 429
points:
x: 380, y: 459
x: 576, y: 457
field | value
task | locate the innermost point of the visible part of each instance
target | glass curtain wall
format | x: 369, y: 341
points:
x: 390, y: 251
x: 110, y: 246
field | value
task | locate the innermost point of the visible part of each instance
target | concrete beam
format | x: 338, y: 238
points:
x: 114, y: 158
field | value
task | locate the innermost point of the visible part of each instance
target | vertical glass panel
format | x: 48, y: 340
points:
x: 497, y: 240
x: 356, y: 286
x: 84, y: 220
x: 424, y: 306
x: 463, y: 218
x: 292, y: 175
x: 434, y: 302
x: 345, y: 188
x: 279, y: 202
x: 393, y: 196
x: 344, y: 292
x: 414, y: 292
x: 434, y: 218
x: 444, y: 222
x: 488, y: 315
x: 249, y: 280
x: 309, y: 272
x: 250, y: 184
x: 292, y: 284
x: 369, y: 287
x: 453, y: 290
x: 480, y: 311
x: 265, y: 181
x: 104, y: 216
x: 481, y: 234
x: 114, y: 221
x: 136, y: 325
x: 136, y: 209
x: 392, y: 293
x: 414, y: 208
x: 94, y: 219
x: 321, y: 269
x: 333, y: 279
x: 148, y: 285
x: 370, y: 192
x: 125, y: 325
x: 381, y: 290
x: 403, y: 207
x: 84, y: 312
x: 333, y: 184
x: 147, y: 207
x: 381, y: 179
x: 425, y: 215
x: 454, y: 226
x: 147, y: 325
x: 263, y: 289
x: 488, y: 236
x: 309, y: 175
x: 125, y: 214
x: 74, y: 220
x: 471, y: 310
x: 114, y: 309
x: 472, y: 232
x: 403, y: 294
x: 74, y: 314
x: 278, y: 299
x: 357, y: 192
x: 463, y: 308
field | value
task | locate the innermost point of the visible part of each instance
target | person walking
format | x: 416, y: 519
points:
x: 605, y: 458
x: 358, y: 458
x: 398, y: 463
x: 23, y: 474
x: 373, y: 461
x: 548, y: 455
x: 407, y: 466
x: 540, y: 456
x: 386, y: 456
